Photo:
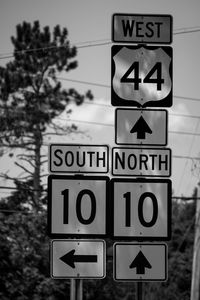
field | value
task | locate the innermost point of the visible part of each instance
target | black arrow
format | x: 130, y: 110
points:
x: 141, y: 127
x: 70, y: 258
x: 140, y: 263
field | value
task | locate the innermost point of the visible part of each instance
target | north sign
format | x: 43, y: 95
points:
x: 78, y: 259
x: 140, y: 262
x: 141, y: 76
x: 148, y: 162
x: 77, y: 206
x: 141, y: 127
x: 142, y: 28
x: 75, y: 158
x: 144, y: 207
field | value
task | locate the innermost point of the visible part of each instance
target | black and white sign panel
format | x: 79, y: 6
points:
x: 141, y: 127
x: 77, y: 205
x: 140, y: 262
x: 148, y: 162
x: 74, y: 158
x: 144, y: 207
x: 142, y: 28
x: 78, y: 259
x: 141, y: 76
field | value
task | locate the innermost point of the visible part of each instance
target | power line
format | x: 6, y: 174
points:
x: 108, y: 86
x: 88, y: 44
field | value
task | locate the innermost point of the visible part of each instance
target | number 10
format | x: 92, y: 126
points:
x: 127, y: 197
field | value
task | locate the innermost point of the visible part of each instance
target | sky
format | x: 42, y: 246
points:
x: 89, y: 26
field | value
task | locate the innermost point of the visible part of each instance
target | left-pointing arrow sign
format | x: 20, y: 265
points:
x: 70, y: 258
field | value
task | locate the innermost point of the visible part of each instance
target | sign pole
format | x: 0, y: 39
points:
x: 76, y: 289
x: 79, y: 289
x: 139, y: 291
x: 72, y: 289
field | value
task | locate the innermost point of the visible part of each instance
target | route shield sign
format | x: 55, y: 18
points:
x: 141, y: 127
x: 140, y: 262
x: 144, y: 207
x: 78, y: 259
x: 141, y: 76
x: 77, y: 205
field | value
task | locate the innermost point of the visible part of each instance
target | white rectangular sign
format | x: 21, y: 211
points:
x: 140, y: 262
x: 77, y: 205
x: 141, y: 127
x: 74, y: 158
x: 78, y: 259
x: 142, y: 28
x: 148, y: 162
x: 144, y: 207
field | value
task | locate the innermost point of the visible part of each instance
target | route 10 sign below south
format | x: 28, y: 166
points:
x: 141, y: 76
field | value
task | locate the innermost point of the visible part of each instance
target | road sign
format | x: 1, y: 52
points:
x: 136, y: 28
x: 141, y: 127
x: 141, y: 76
x: 78, y: 259
x: 73, y: 158
x: 77, y: 205
x: 148, y: 162
x: 144, y: 207
x: 140, y: 262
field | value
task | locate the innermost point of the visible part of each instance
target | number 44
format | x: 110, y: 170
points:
x: 149, y: 78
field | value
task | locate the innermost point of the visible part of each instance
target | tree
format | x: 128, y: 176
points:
x: 31, y: 96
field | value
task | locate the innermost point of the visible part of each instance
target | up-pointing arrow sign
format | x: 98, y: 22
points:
x: 140, y: 262
x: 141, y: 128
x: 150, y: 126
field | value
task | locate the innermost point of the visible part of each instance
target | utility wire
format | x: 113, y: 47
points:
x: 80, y: 45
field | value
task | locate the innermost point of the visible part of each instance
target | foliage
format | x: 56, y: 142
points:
x: 31, y: 97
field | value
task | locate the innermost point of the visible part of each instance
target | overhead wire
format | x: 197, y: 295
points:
x: 79, y: 45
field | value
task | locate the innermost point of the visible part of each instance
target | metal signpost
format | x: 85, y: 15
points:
x: 77, y: 208
x: 132, y: 208
x: 141, y: 77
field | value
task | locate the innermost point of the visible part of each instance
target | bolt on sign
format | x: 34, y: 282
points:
x: 136, y: 127
x: 78, y: 259
x: 77, y: 205
x: 141, y: 76
x: 144, y: 207
x: 140, y: 262
x: 73, y: 158
x: 137, y: 28
x: 148, y: 162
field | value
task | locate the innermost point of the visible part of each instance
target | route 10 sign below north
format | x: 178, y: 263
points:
x: 141, y: 76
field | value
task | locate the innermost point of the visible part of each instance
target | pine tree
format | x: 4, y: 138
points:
x: 31, y: 96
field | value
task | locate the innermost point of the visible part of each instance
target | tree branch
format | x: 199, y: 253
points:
x: 25, y: 169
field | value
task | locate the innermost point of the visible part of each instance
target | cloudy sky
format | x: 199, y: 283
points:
x: 89, y: 26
